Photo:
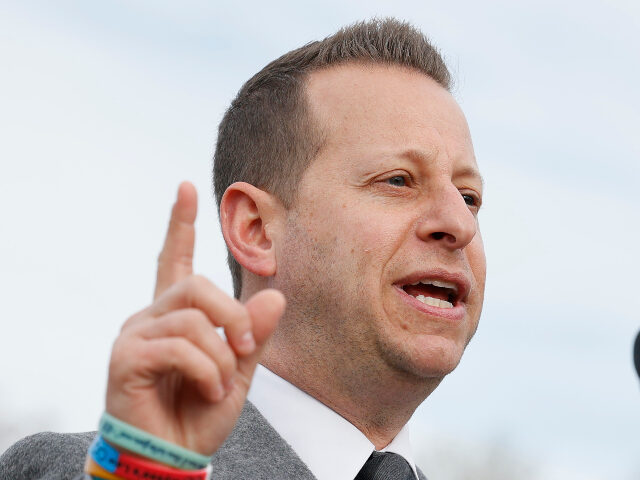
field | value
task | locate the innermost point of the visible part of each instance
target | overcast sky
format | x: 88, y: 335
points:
x: 106, y: 106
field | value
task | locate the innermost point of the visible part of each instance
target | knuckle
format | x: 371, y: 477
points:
x: 177, y: 347
x: 185, y: 260
x: 166, y: 258
x: 195, y: 320
x: 201, y: 281
x: 132, y: 320
x: 173, y: 354
x: 127, y: 324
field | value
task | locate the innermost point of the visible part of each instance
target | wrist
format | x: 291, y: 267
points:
x: 121, y: 451
x: 140, y: 442
x: 107, y: 462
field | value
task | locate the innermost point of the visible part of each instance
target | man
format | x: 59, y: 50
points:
x: 347, y: 185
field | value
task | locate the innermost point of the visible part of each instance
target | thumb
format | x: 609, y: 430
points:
x: 265, y: 309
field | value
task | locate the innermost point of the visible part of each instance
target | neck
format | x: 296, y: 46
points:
x: 377, y: 402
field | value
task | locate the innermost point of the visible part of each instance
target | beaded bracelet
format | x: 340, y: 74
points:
x: 128, y: 467
x: 138, y: 441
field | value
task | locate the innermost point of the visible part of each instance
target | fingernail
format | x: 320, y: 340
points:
x: 247, y: 342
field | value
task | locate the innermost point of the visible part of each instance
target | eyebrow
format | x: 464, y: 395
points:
x: 470, y: 171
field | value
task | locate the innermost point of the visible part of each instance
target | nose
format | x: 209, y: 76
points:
x: 447, y: 219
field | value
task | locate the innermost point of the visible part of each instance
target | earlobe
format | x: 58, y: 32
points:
x: 245, y: 214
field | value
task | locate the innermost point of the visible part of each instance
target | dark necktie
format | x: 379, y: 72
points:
x: 386, y: 466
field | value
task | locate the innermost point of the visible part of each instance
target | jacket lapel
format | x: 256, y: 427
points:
x: 255, y: 450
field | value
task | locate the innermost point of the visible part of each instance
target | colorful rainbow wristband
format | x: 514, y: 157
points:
x: 86, y: 476
x: 95, y: 470
x: 147, y: 445
x: 129, y: 467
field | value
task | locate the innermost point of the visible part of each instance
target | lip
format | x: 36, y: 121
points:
x: 459, y: 279
x: 455, y: 314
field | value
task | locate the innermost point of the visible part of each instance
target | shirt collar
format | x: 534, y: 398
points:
x: 315, y: 432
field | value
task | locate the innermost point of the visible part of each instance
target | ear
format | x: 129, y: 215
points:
x: 248, y: 216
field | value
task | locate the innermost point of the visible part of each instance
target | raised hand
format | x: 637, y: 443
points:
x: 171, y: 373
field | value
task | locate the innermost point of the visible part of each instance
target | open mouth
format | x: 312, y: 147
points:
x: 436, y: 293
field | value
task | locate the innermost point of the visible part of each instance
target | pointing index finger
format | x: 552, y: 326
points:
x: 175, y: 261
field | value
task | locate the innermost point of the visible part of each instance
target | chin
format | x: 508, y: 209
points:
x: 428, y: 357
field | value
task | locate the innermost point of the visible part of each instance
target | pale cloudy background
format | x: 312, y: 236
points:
x: 106, y: 106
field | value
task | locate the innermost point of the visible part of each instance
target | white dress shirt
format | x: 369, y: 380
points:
x: 328, y: 444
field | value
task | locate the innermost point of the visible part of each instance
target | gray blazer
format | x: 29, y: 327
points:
x: 254, y: 450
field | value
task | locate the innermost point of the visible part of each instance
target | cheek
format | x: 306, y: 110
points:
x: 477, y: 259
x: 357, y: 237
x: 478, y: 265
x: 366, y: 232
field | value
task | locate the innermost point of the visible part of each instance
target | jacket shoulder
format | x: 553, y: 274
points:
x: 46, y: 456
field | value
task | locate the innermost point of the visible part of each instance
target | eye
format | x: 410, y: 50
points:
x: 471, y: 200
x: 397, y: 181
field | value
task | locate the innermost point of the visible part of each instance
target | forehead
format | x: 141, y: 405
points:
x: 373, y: 107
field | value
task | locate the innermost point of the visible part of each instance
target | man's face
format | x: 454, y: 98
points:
x: 382, y: 262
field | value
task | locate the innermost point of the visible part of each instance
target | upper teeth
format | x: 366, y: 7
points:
x: 438, y: 283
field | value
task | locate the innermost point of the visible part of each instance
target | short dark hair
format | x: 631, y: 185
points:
x: 268, y: 138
